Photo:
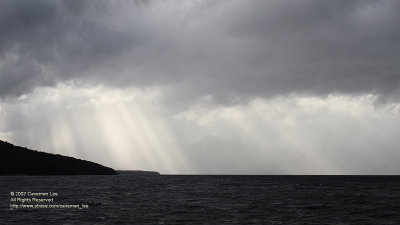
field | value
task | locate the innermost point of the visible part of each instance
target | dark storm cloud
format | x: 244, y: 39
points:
x: 324, y: 47
x: 43, y: 42
x: 227, y: 49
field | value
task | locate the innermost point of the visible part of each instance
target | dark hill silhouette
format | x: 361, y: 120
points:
x: 15, y: 160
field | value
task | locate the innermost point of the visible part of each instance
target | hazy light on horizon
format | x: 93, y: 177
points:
x: 126, y: 129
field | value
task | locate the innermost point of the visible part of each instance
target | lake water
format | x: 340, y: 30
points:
x: 129, y: 199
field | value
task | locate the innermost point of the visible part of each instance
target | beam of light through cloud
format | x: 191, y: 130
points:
x: 128, y: 129
x: 289, y: 135
x: 110, y: 126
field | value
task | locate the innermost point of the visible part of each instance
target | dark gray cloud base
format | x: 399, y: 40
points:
x: 226, y: 49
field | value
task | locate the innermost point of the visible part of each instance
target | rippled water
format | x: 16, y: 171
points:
x: 128, y: 199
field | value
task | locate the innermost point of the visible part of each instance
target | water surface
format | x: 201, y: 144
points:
x: 128, y: 199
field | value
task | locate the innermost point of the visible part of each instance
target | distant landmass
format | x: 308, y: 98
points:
x: 138, y: 172
x: 15, y: 160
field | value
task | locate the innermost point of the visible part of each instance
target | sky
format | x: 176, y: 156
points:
x: 205, y: 86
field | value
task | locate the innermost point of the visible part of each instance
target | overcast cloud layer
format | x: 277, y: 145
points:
x: 204, y: 86
x: 224, y: 48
